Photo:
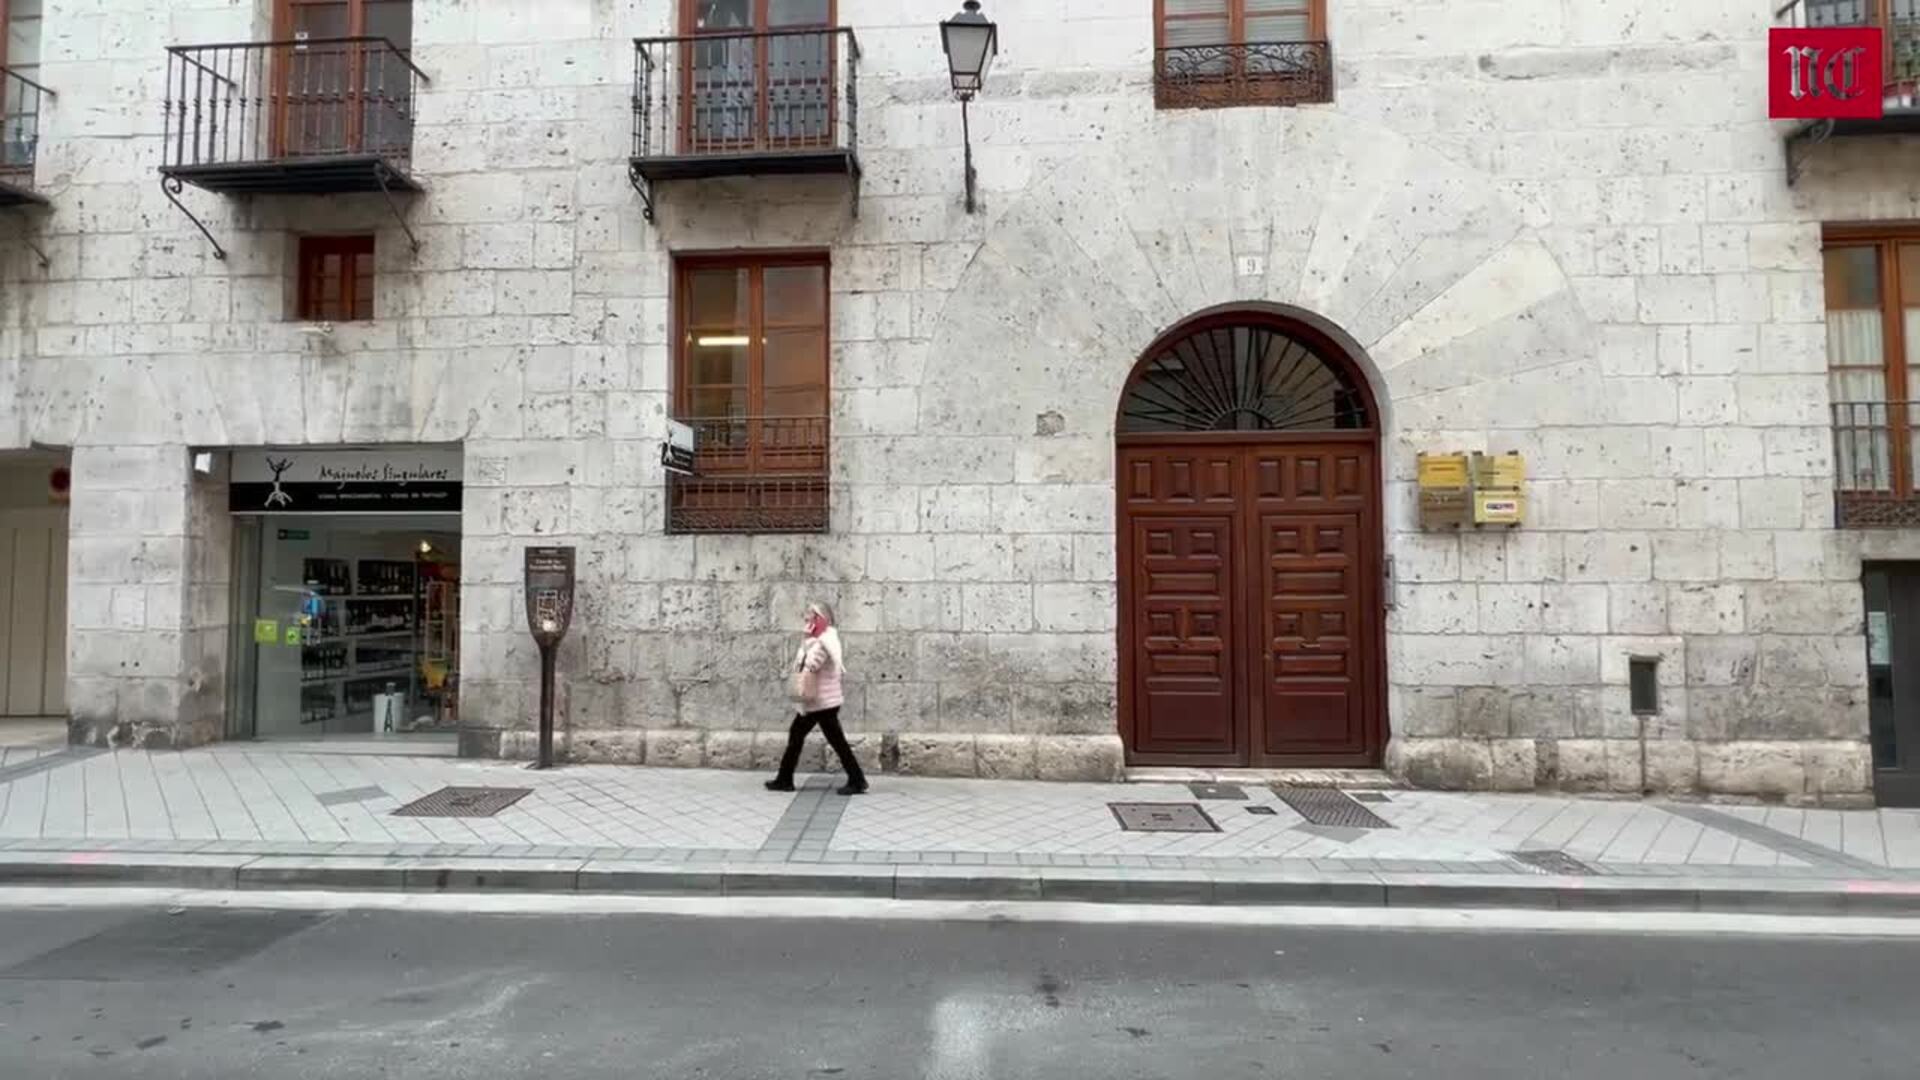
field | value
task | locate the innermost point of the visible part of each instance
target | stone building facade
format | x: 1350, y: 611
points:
x: 1559, y: 229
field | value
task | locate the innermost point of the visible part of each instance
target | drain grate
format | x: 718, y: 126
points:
x: 1552, y: 862
x: 1329, y: 806
x: 1369, y: 796
x: 1263, y: 810
x: 1162, y: 817
x: 464, y: 802
x: 1217, y: 791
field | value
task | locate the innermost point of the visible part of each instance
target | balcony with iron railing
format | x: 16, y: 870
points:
x: 305, y: 117
x: 20, y: 101
x: 764, y: 474
x: 1875, y: 468
x: 1899, y: 21
x: 1250, y: 73
x: 766, y: 103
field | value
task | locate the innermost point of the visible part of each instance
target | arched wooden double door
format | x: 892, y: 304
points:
x: 1251, y: 619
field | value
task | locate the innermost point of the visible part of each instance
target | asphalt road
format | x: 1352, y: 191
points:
x: 207, y: 994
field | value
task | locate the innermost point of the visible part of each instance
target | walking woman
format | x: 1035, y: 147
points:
x: 817, y: 695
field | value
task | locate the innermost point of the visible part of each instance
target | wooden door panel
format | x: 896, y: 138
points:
x: 1307, y: 476
x: 1182, y: 477
x: 1311, y: 670
x: 1250, y: 605
x: 1186, y: 680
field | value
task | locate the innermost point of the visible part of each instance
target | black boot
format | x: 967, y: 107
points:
x: 852, y: 787
x: 777, y: 784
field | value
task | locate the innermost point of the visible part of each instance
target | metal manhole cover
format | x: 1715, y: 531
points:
x: 464, y: 802
x: 1329, y: 806
x: 1162, y: 817
x: 1551, y: 862
x: 1217, y: 791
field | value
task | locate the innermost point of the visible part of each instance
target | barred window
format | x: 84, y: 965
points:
x: 750, y: 378
x: 1872, y: 285
x: 1211, y: 53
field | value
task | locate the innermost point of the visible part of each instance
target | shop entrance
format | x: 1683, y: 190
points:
x: 33, y: 599
x: 1893, y: 680
x: 347, y: 624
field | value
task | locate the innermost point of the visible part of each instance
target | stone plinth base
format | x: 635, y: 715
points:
x: 1826, y: 773
x: 999, y: 757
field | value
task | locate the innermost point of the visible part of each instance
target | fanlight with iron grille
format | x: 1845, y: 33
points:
x: 1241, y: 378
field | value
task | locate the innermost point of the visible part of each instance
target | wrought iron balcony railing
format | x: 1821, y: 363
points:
x: 1253, y: 73
x: 753, y: 474
x: 742, y: 104
x: 1874, y: 465
x: 313, y: 116
x: 20, y: 101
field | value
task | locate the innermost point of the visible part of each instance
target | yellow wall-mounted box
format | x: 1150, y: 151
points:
x: 1499, y: 507
x: 1443, y: 471
x: 1443, y: 508
x: 1499, y: 472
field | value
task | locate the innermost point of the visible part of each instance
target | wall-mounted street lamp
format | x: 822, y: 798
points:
x: 971, y: 41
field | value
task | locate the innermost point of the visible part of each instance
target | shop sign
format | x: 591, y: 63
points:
x: 676, y: 452
x: 1825, y: 74
x: 399, y: 480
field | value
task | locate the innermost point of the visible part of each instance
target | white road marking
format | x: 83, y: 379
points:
x: 64, y: 898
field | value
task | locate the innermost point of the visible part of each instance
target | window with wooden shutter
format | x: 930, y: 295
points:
x: 1215, y: 53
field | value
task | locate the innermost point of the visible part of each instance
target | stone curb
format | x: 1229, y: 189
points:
x: 1011, y: 883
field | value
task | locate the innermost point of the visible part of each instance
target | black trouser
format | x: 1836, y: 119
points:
x: 829, y: 721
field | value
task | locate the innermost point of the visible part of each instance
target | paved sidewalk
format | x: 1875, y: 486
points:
x: 247, y: 815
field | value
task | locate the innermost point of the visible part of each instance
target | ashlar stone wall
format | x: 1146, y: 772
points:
x: 1556, y: 228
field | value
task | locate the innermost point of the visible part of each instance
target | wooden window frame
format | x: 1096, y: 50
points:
x: 1900, y: 501
x: 761, y: 473
x: 1237, y: 85
x: 313, y: 250
x: 350, y: 103
x: 1237, y: 21
x: 1880, y: 14
x: 761, y: 137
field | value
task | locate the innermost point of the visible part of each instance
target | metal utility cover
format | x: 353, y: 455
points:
x: 1263, y: 811
x: 1162, y: 817
x: 464, y: 802
x: 1552, y: 862
x: 1329, y: 806
x: 1217, y: 791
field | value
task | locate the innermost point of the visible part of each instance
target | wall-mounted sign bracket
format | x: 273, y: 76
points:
x: 1800, y: 143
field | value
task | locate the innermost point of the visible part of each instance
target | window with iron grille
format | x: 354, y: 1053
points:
x: 336, y: 279
x: 750, y: 378
x: 1215, y: 53
x: 1872, y: 281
